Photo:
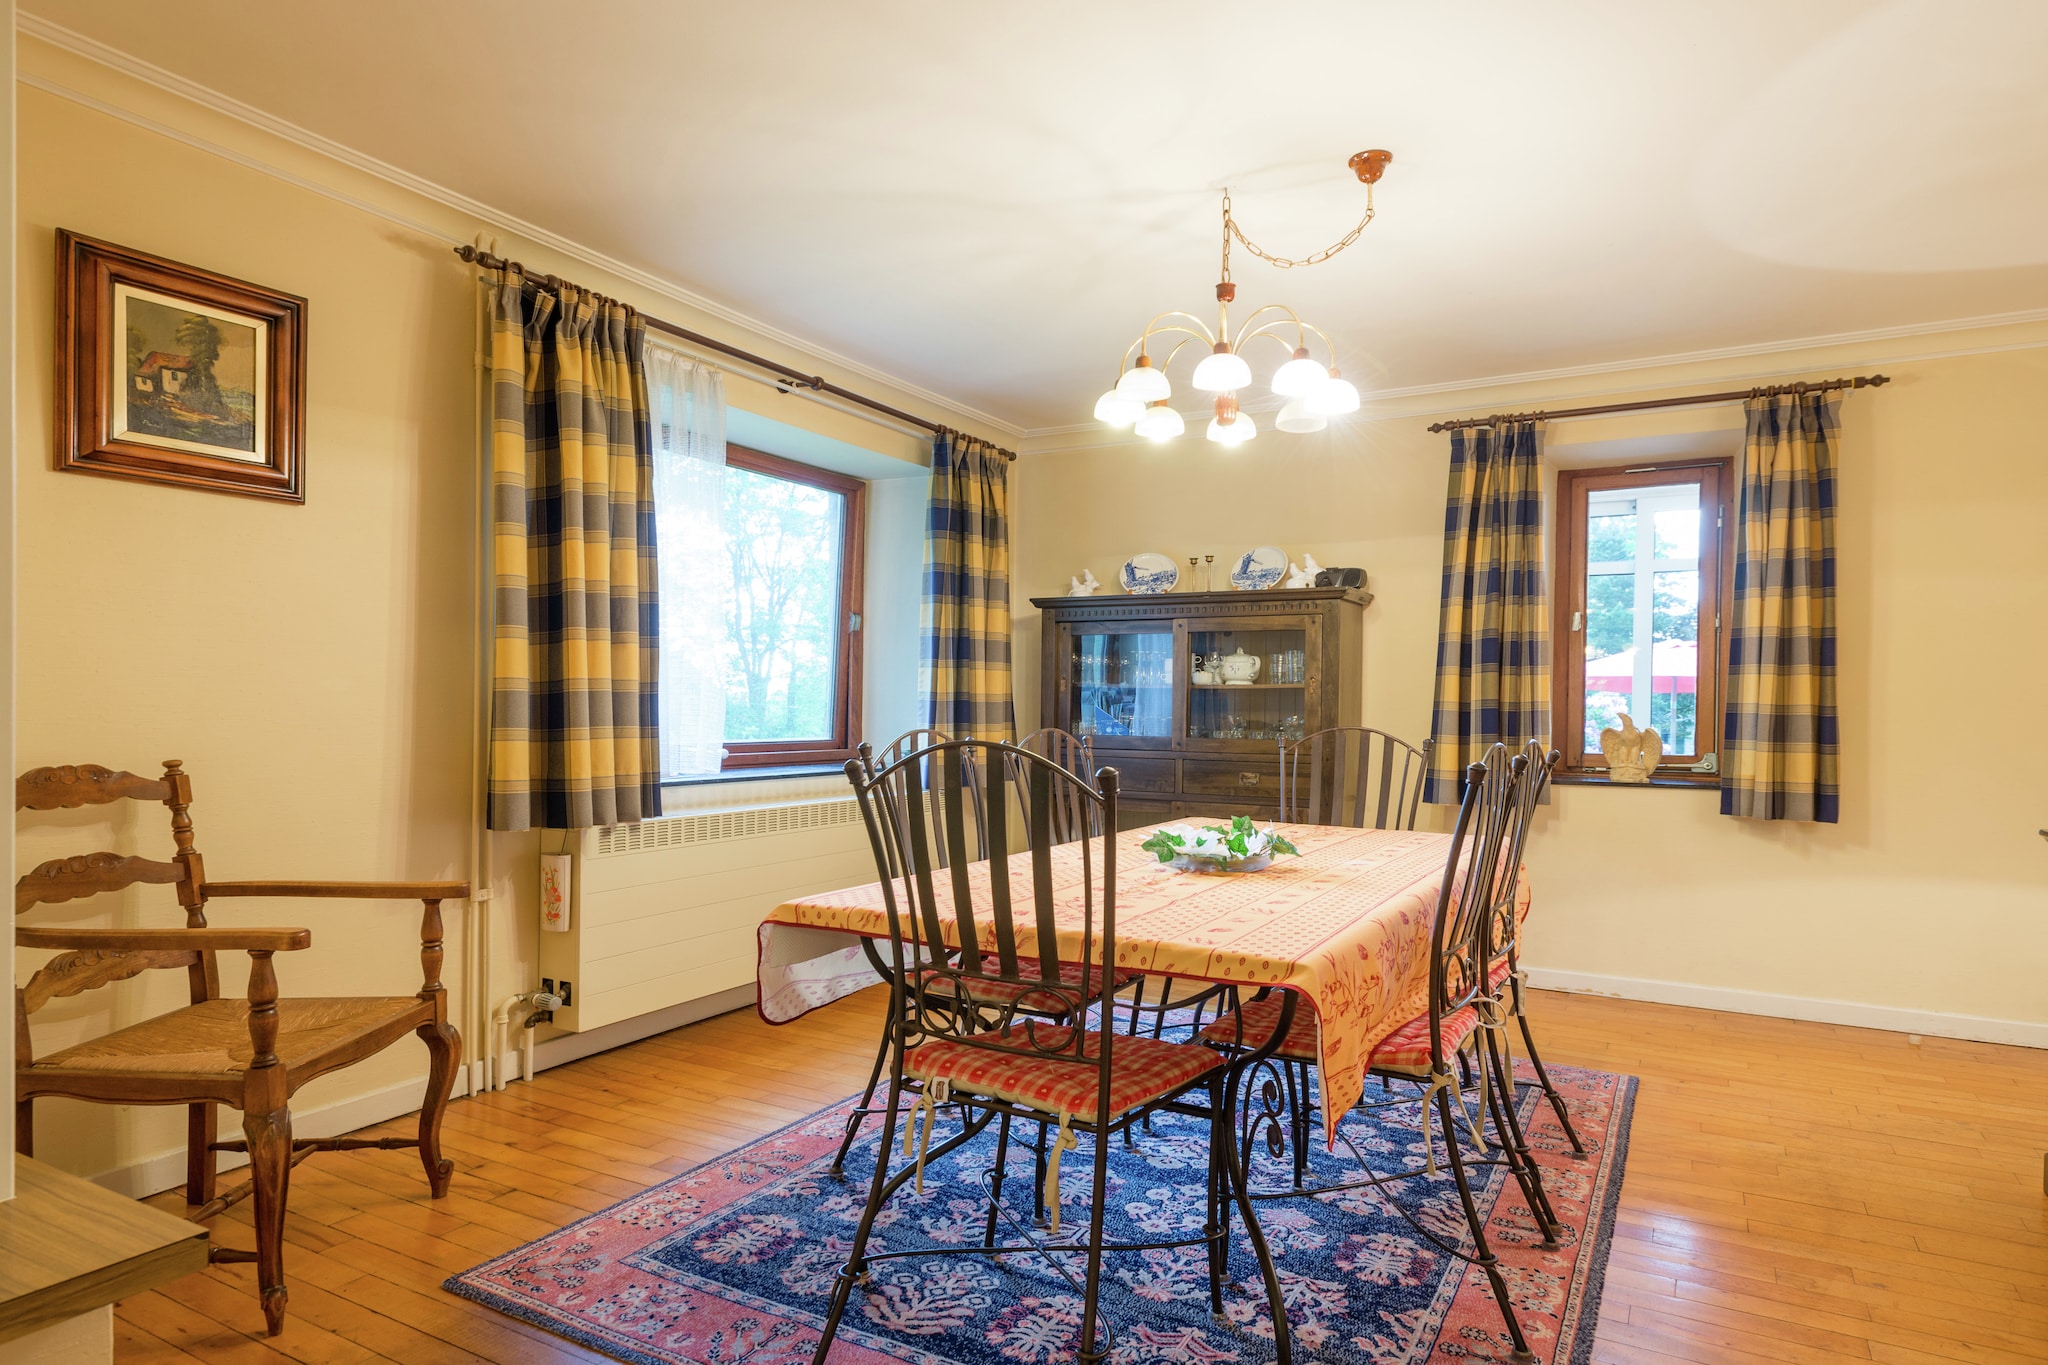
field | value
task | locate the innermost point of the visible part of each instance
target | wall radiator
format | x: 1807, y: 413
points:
x: 667, y: 911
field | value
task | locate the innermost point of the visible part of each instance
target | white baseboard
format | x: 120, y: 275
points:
x: 2017, y: 1032
x: 167, y: 1169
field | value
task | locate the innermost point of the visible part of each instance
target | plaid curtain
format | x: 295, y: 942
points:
x: 1780, y: 746
x: 1493, y: 636
x: 965, y: 676
x: 573, y: 734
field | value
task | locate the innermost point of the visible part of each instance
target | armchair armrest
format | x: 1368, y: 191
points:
x: 168, y: 940
x: 367, y: 891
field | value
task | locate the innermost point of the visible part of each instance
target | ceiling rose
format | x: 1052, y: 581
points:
x: 1314, y: 389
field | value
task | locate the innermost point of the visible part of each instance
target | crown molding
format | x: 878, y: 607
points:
x: 490, y: 218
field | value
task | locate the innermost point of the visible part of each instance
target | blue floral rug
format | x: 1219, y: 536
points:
x: 733, y: 1262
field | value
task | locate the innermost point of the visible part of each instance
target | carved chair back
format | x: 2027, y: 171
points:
x: 1355, y: 776
x: 940, y: 993
x: 92, y: 874
x: 1458, y: 966
x: 1072, y: 818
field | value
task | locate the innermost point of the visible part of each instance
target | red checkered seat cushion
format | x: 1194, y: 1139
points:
x: 1300, y: 1044
x: 1141, y: 1070
x: 995, y: 991
x: 1260, y: 1016
x: 1405, y: 1051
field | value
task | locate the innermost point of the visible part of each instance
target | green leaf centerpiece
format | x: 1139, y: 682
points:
x: 1239, y: 846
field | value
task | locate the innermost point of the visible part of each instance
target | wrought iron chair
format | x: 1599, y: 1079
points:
x: 978, y: 785
x: 251, y: 1054
x: 949, y: 1049
x: 1381, y: 773
x: 1505, y: 975
x: 1075, y: 753
x: 1457, y: 1022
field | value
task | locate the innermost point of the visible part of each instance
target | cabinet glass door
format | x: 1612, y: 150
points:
x: 1122, y: 682
x: 1250, y: 682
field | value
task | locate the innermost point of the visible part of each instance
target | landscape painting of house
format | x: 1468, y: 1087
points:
x: 191, y: 378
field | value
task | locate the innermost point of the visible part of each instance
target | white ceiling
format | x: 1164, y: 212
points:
x: 991, y: 201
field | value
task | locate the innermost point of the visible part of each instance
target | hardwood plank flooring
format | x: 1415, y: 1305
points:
x: 1795, y: 1192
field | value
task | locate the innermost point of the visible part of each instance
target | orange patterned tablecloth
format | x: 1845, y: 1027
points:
x: 1345, y: 925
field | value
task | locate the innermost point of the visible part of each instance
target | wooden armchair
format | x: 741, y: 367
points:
x: 248, y: 1054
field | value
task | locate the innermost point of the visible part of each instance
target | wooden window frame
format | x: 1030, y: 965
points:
x: 1717, y: 590
x: 845, y: 739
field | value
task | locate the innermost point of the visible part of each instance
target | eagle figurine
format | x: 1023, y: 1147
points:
x: 1632, y: 754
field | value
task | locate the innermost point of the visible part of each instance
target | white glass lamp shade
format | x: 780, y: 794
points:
x: 1234, y: 433
x: 1144, y: 383
x: 1118, y: 409
x: 1221, y: 372
x: 1298, y: 376
x: 1333, y: 396
x: 1161, y: 423
x: 1297, y: 417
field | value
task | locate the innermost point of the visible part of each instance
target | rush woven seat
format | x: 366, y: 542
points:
x: 211, y: 1038
x: 1147, y: 1069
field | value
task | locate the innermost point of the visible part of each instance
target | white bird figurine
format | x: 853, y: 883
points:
x: 1084, y: 586
x: 1632, y: 754
x: 1305, y: 576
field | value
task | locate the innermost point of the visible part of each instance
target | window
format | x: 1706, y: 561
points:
x: 1642, y: 577
x: 789, y: 653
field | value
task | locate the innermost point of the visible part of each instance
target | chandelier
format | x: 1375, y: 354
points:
x: 1313, y: 388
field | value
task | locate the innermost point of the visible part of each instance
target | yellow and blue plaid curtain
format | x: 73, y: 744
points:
x: 573, y: 727
x: 965, y: 675
x: 1780, y: 746
x: 1493, y: 635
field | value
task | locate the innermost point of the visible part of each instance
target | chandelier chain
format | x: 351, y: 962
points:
x: 1231, y: 229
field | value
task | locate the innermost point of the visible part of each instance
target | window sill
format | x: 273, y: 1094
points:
x: 759, y: 774
x: 1694, y: 781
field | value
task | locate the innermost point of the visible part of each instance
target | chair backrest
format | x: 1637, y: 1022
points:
x: 933, y: 907
x: 1503, y: 930
x: 1355, y: 776
x: 1459, y: 960
x: 92, y: 874
x: 1072, y: 818
x: 975, y: 811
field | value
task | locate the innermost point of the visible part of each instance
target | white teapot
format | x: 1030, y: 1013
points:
x: 1238, y: 669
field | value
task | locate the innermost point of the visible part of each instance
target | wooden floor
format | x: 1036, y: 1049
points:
x: 1795, y: 1192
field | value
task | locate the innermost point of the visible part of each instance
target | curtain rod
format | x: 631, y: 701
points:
x: 1861, y: 381
x: 815, y: 383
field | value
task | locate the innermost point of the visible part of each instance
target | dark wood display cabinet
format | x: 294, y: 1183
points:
x: 1121, y: 671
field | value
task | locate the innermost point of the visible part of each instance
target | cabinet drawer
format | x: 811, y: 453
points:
x: 1142, y: 774
x: 1247, y: 778
x: 1222, y: 808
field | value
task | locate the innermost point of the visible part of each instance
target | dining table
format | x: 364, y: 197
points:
x: 1342, y: 926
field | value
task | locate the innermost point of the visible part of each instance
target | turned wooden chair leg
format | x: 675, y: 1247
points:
x: 270, y: 1167
x: 202, y: 1163
x: 444, y: 1046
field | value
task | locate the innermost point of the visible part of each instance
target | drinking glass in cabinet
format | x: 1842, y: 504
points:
x: 1123, y: 683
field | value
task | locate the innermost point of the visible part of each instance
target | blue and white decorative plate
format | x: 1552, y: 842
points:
x: 1148, y: 573
x: 1260, y: 568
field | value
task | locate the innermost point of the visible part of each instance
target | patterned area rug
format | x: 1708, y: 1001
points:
x: 732, y: 1263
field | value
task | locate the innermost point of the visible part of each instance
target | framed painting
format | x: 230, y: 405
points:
x: 172, y: 374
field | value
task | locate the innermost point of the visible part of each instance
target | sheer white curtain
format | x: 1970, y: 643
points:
x: 686, y: 407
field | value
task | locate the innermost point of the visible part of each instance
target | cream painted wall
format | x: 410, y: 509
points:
x: 1931, y: 895
x: 314, y: 665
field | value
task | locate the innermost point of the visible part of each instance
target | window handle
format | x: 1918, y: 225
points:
x: 1578, y: 621
x: 853, y: 621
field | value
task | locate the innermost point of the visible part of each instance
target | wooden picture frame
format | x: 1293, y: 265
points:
x: 172, y: 374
